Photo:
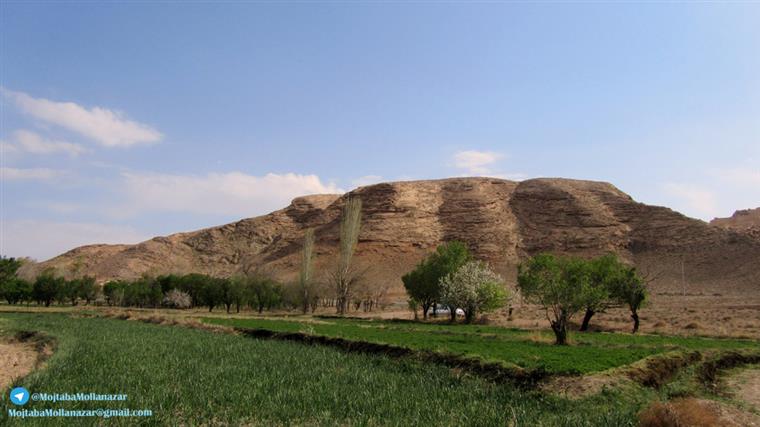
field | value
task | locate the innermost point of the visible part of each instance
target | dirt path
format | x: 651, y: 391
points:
x: 16, y: 360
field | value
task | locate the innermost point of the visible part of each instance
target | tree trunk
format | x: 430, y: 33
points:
x: 469, y: 316
x: 635, y: 317
x: 586, y: 319
x: 425, y: 308
x: 229, y: 306
x: 560, y: 331
x: 453, y: 314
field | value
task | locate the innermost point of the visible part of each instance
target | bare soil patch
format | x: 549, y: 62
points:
x: 692, y: 412
x: 578, y: 387
x: 21, y: 354
x: 18, y: 359
x: 745, y: 386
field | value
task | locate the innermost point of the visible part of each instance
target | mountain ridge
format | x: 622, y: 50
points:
x: 502, y: 221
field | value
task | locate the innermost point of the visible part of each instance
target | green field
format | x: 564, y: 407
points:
x: 194, y: 377
x: 590, y: 352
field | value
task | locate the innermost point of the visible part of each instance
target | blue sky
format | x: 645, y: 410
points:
x: 124, y: 121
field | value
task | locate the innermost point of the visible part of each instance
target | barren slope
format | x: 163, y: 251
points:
x: 747, y: 220
x: 502, y: 221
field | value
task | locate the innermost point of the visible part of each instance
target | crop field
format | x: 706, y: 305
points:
x: 590, y: 352
x: 196, y: 377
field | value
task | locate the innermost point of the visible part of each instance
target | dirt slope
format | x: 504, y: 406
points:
x: 747, y: 220
x: 502, y: 221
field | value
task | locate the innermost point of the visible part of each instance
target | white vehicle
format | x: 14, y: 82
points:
x: 445, y: 310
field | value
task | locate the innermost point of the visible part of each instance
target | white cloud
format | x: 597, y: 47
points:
x: 232, y: 193
x: 44, y: 239
x: 106, y: 127
x: 698, y: 201
x: 7, y: 148
x: 33, y: 143
x: 476, y: 162
x: 366, y: 180
x: 21, y: 174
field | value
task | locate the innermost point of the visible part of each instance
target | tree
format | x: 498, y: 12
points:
x: 193, y: 285
x: 12, y: 289
x: 413, y: 306
x: 424, y: 282
x: 474, y: 288
x: 603, y: 272
x: 211, y: 293
x: 175, y: 298
x: 15, y: 290
x: 8, y: 268
x: 87, y: 289
x: 345, y: 276
x: 631, y: 290
x: 422, y: 292
x: 561, y: 285
x: 263, y: 292
x: 238, y: 293
x: 47, y: 287
x: 69, y: 292
x: 304, y: 278
x: 169, y: 282
x: 114, y: 292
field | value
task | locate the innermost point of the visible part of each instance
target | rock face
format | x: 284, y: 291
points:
x: 747, y: 220
x: 502, y: 221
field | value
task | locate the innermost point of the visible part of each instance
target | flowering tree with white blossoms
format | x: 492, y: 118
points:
x: 474, y: 288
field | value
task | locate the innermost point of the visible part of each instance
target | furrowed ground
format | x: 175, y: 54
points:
x: 590, y: 352
x: 195, y: 377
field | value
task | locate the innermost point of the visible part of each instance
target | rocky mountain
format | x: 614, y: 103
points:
x: 502, y: 221
x: 747, y: 220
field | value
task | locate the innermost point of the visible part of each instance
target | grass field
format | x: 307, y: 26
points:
x: 590, y: 352
x: 194, y: 377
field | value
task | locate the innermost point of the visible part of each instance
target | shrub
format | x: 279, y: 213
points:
x: 177, y: 299
x: 474, y: 288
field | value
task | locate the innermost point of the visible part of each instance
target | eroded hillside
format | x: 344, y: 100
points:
x: 502, y: 221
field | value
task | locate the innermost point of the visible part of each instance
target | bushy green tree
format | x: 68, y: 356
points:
x: 113, y: 291
x: 603, y: 273
x: 264, y: 293
x: 8, y: 268
x: 228, y: 292
x: 561, y: 285
x: 630, y: 289
x: 47, y: 287
x: 15, y: 290
x: 143, y: 292
x: 474, y: 288
x: 169, y: 282
x: 87, y: 289
x: 423, y: 283
x: 12, y: 289
x: 211, y: 293
x: 193, y: 284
